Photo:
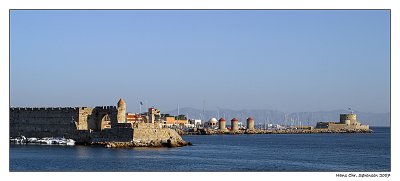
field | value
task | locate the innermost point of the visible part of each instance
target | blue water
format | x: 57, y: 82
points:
x: 273, y: 152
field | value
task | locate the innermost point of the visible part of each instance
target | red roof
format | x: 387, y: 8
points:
x: 130, y: 116
x: 222, y: 120
x: 234, y: 119
x: 250, y: 119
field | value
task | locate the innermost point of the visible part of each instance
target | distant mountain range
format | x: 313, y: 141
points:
x: 278, y: 117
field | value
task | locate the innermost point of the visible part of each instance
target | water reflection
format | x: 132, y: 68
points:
x: 82, y: 151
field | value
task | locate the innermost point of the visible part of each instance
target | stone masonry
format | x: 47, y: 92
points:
x: 86, y: 125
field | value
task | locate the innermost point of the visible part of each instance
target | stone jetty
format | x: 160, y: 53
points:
x: 207, y: 131
x: 150, y: 143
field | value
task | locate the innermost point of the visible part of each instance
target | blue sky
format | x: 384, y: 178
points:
x: 303, y: 60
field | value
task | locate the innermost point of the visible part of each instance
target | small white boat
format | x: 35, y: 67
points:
x: 48, y: 141
x: 61, y: 141
x: 45, y: 141
x: 32, y: 140
x: 70, y: 142
x: 19, y: 139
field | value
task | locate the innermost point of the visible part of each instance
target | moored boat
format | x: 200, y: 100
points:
x: 45, y: 140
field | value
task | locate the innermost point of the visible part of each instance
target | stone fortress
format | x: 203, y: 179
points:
x: 347, y: 122
x: 98, y: 125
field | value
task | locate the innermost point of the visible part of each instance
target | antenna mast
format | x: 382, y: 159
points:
x: 204, y: 102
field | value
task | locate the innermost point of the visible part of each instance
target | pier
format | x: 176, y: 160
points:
x: 208, y: 131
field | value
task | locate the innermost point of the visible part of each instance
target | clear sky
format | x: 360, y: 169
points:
x: 240, y: 59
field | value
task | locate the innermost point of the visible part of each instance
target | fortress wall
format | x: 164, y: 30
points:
x: 119, y: 134
x: 336, y: 126
x: 140, y: 132
x: 322, y: 125
x: 81, y: 136
x: 155, y: 134
x: 43, y: 122
x: 344, y: 126
x: 129, y: 134
x: 67, y: 121
x: 86, y: 119
x: 363, y: 127
x: 98, y: 114
x: 147, y: 125
x: 82, y: 124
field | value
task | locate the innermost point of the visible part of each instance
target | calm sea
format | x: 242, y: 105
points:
x: 290, y: 152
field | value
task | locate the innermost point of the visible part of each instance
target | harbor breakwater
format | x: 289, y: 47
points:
x: 208, y: 131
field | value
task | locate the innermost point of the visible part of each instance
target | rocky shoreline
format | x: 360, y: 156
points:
x: 206, y: 131
x: 148, y: 143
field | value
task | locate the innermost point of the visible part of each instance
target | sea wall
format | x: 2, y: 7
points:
x: 144, y: 132
x: 124, y: 134
x: 143, y: 135
x: 97, y: 125
x: 43, y: 122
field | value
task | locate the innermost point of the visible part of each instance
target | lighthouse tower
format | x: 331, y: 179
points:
x: 121, y: 107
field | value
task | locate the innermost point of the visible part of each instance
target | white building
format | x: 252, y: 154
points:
x: 275, y: 126
x: 195, y: 122
x: 240, y: 125
x: 212, y: 123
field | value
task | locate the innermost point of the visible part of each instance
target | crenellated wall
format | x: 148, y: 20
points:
x: 84, y: 124
x: 58, y: 122
x: 86, y: 119
x: 43, y: 122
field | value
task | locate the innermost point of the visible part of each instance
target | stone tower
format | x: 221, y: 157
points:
x: 234, y: 124
x: 348, y: 118
x: 222, y: 124
x: 250, y: 123
x: 121, y: 107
